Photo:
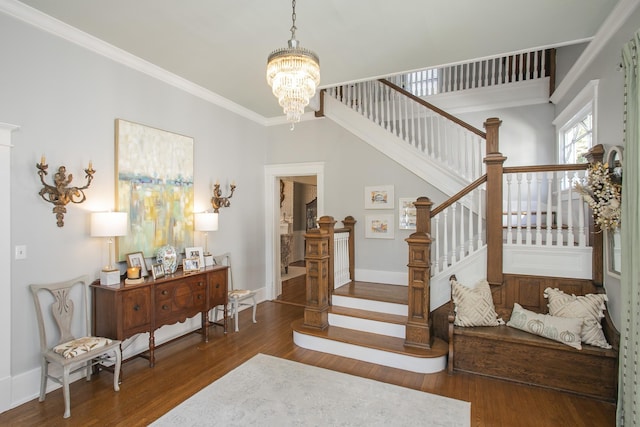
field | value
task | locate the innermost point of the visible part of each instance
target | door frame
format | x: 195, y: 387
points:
x: 272, y: 175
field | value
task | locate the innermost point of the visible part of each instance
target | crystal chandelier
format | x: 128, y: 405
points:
x: 293, y: 74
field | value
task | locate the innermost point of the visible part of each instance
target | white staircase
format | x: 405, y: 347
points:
x: 371, y: 330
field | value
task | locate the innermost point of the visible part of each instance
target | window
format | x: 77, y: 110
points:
x: 576, y: 138
x: 576, y: 126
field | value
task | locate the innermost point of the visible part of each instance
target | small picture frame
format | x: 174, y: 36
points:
x: 379, y: 227
x: 189, y: 265
x: 136, y: 259
x: 157, y: 270
x: 406, y: 213
x: 379, y: 197
x: 195, y: 252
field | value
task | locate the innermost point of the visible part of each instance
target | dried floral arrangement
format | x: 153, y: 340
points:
x: 602, y: 190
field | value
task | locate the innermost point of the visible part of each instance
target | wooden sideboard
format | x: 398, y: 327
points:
x: 122, y: 311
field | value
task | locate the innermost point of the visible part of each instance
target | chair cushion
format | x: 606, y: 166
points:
x: 562, y: 329
x: 474, y: 306
x: 238, y: 293
x: 589, y: 307
x: 80, y: 346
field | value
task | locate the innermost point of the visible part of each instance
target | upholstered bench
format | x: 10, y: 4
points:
x: 507, y: 353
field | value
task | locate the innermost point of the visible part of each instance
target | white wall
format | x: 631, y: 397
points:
x: 65, y: 99
x: 609, y: 120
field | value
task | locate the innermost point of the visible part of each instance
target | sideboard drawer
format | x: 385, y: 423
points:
x: 136, y: 311
x: 177, y: 300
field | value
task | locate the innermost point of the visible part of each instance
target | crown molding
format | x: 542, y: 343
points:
x: 609, y: 27
x: 65, y: 31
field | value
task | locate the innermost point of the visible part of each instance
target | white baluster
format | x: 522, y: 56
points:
x: 543, y: 64
x: 550, y: 212
x: 538, y: 210
x: 437, y: 245
x: 509, y: 212
x: 528, y: 232
x: 559, y: 220
x: 454, y: 241
x: 570, y: 237
x: 519, y: 213
x: 387, y: 93
x: 480, y: 192
x: 445, y: 241
x: 582, y: 237
x: 461, y: 240
x: 470, y: 222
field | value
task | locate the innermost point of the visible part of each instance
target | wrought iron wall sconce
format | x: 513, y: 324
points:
x: 61, y: 192
x: 217, y: 201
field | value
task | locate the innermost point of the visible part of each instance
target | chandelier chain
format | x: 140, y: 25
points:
x: 293, y: 20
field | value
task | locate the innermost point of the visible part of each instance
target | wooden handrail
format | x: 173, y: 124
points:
x: 459, y: 195
x: 546, y: 168
x: 435, y: 109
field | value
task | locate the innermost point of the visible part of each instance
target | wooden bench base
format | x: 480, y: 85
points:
x: 510, y: 354
x: 514, y: 355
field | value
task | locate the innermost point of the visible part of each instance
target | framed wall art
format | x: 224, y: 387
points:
x: 378, y: 197
x: 406, y: 213
x: 154, y: 185
x: 379, y: 227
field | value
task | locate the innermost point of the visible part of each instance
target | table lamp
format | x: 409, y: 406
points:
x: 205, y: 222
x: 109, y: 225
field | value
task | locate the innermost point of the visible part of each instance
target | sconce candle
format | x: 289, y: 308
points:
x: 61, y: 192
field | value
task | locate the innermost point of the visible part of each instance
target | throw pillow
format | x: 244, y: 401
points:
x: 474, y: 306
x: 562, y: 329
x: 589, y: 307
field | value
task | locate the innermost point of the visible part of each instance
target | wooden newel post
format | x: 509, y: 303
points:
x: 595, y: 155
x: 328, y: 224
x: 419, y: 327
x: 316, y: 311
x: 494, y: 163
x: 350, y: 223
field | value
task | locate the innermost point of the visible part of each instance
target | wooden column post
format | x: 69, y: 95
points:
x: 494, y: 163
x: 595, y: 155
x: 327, y: 224
x: 418, y: 328
x: 316, y: 311
x: 350, y: 223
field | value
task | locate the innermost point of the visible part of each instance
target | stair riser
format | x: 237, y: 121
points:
x: 366, y: 325
x: 370, y: 305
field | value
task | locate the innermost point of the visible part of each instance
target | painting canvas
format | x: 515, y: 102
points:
x: 379, y: 227
x: 380, y: 197
x: 154, y: 184
x: 407, y: 213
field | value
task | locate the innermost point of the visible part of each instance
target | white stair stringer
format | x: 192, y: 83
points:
x: 393, y: 359
x: 394, y: 147
x: 371, y: 355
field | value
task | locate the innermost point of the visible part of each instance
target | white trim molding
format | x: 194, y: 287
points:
x: 609, y: 27
x: 65, y: 31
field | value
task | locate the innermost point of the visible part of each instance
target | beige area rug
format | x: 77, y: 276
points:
x: 293, y: 272
x: 269, y: 391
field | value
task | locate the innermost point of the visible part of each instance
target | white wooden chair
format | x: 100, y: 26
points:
x: 56, y: 311
x: 237, y: 297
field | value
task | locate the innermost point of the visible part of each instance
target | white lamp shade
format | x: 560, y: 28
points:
x: 109, y: 224
x: 206, y: 221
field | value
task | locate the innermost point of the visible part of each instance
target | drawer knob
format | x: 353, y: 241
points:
x: 217, y: 285
x: 165, y: 307
x: 136, y: 307
x: 164, y: 292
x: 199, y: 296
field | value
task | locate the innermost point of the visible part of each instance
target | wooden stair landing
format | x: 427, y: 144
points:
x: 395, y: 294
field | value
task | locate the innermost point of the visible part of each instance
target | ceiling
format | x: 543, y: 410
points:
x: 222, y: 45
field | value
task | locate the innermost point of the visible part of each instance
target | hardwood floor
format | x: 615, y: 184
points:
x: 186, y: 365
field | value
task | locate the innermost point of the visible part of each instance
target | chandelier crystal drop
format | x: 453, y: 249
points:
x: 293, y: 74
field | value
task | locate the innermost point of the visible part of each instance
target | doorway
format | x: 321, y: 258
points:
x: 273, y: 175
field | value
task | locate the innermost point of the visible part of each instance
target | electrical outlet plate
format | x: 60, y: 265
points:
x: 21, y: 252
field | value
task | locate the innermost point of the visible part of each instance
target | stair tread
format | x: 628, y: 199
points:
x: 369, y: 315
x: 370, y: 340
x: 396, y: 294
